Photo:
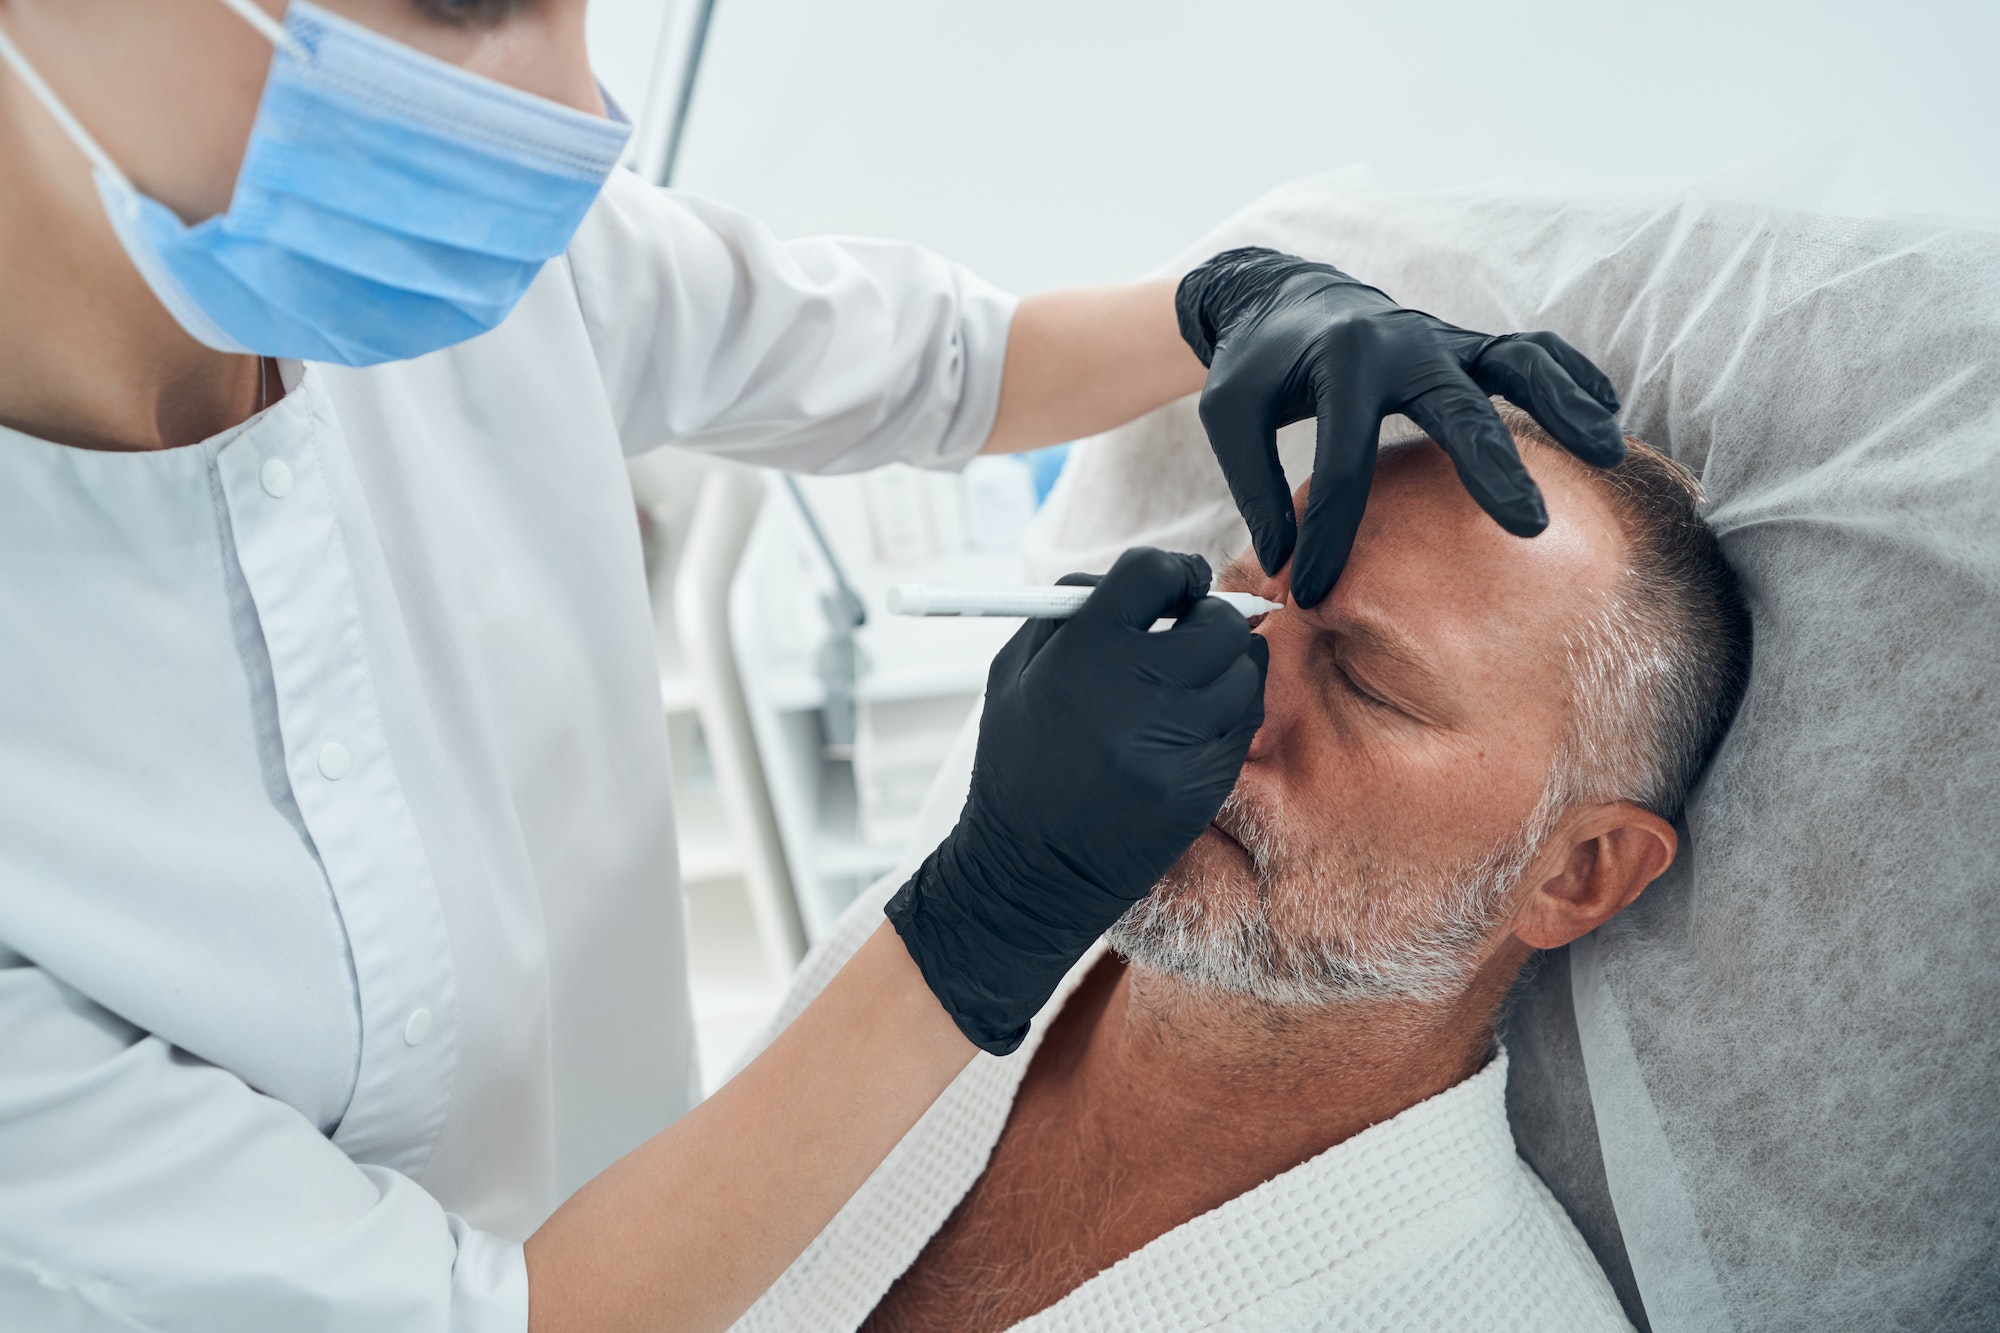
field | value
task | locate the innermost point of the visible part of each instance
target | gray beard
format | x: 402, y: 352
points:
x: 1338, y: 945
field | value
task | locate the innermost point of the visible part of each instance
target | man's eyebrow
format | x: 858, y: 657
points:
x: 1386, y: 640
x: 1371, y: 634
x: 1239, y: 575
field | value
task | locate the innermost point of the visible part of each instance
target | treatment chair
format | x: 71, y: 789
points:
x: 1769, y: 1093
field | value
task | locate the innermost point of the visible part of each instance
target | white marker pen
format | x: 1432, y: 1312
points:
x: 1028, y: 602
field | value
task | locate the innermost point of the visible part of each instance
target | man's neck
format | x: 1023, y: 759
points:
x: 1149, y: 1103
x: 1259, y: 1088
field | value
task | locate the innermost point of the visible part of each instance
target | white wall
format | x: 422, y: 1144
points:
x: 1052, y: 141
x: 624, y: 40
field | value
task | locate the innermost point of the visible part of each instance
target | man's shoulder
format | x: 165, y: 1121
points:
x: 1497, y: 1250
x: 1518, y: 1274
x: 1523, y: 1267
x: 1551, y: 1269
x: 1429, y: 1219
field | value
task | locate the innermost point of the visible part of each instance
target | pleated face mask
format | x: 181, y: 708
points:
x: 389, y: 204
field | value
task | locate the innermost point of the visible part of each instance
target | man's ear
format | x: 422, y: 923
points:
x: 1591, y: 870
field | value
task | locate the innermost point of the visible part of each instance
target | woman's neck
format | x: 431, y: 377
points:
x: 88, y: 355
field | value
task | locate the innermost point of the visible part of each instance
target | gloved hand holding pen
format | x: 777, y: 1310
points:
x: 1103, y: 752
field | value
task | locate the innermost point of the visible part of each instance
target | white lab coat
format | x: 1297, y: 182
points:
x: 340, y: 927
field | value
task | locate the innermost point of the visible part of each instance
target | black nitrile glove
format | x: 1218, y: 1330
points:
x: 1103, y: 753
x: 1285, y: 339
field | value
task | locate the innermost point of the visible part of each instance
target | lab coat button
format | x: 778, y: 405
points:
x: 276, y: 477
x: 418, y: 1027
x: 333, y: 761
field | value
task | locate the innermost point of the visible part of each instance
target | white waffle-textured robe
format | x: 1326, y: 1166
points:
x: 1429, y: 1220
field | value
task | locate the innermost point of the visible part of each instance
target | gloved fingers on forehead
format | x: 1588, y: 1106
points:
x: 1579, y: 367
x: 1245, y: 440
x: 1200, y: 647
x: 1531, y: 376
x: 1343, y: 470
x: 1460, y: 419
x: 1144, y: 584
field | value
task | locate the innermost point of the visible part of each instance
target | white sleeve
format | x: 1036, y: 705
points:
x: 141, y: 1188
x: 821, y: 355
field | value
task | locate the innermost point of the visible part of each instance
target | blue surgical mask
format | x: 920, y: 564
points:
x: 389, y: 204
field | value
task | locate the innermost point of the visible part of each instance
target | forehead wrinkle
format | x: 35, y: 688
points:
x: 1584, y: 535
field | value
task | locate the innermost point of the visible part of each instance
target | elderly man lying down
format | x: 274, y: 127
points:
x: 1276, y: 1100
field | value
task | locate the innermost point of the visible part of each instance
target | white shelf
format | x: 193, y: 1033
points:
x: 708, y: 858
x: 729, y: 977
x: 677, y: 692
x: 854, y: 859
x: 908, y: 657
x: 839, y: 851
x: 795, y: 688
x: 906, y: 661
x: 709, y: 849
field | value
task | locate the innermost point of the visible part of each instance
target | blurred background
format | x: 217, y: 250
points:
x: 1051, y: 142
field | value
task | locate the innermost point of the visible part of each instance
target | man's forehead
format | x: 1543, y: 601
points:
x: 1432, y: 573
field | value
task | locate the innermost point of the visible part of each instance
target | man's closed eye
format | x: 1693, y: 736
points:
x: 1360, y: 691
x: 1343, y: 680
x: 1373, y: 685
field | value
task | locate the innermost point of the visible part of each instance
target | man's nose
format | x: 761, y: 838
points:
x: 1284, y: 679
x: 1275, y: 587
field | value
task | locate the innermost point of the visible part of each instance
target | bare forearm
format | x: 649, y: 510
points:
x: 686, y: 1231
x: 1087, y: 359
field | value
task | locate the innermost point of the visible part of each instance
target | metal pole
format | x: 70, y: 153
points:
x: 682, y: 42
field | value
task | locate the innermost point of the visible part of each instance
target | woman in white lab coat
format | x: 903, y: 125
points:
x: 340, y: 939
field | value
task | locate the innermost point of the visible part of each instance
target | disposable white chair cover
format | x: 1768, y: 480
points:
x: 1788, y: 1051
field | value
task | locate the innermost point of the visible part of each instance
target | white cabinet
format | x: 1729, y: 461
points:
x: 842, y: 812
x: 778, y: 828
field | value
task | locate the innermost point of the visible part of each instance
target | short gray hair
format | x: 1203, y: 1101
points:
x: 1659, y: 668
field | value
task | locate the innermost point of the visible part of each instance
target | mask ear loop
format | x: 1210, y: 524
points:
x: 54, y: 105
x: 269, y: 28
x: 272, y: 31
